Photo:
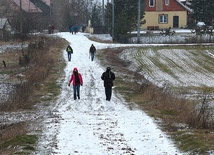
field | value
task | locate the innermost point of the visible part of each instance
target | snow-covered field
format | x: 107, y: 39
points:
x: 178, y: 67
x: 18, y: 46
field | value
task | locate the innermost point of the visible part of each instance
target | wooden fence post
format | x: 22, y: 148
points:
x: 4, y: 63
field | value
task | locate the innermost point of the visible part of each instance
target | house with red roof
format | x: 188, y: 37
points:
x: 5, y: 29
x: 27, y: 15
x: 27, y: 6
x: 48, y: 2
x: 160, y: 14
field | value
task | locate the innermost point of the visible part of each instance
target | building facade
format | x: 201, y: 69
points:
x: 5, y: 29
x: 161, y: 14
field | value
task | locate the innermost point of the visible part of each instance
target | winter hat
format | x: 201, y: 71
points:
x: 108, y: 68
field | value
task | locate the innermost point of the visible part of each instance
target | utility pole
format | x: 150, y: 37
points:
x: 112, y: 20
x: 21, y: 16
x: 138, y: 22
x: 103, y: 22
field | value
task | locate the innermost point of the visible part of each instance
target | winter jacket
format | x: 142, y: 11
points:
x: 74, y: 80
x: 108, y: 78
x: 69, y: 49
x: 92, y: 49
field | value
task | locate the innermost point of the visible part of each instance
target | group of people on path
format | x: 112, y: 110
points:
x: 76, y: 78
x: 73, y: 29
x: 92, y: 51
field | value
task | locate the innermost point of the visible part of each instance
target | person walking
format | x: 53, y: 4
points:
x: 108, y: 77
x: 92, y: 51
x: 77, y: 81
x: 72, y: 29
x: 69, y: 50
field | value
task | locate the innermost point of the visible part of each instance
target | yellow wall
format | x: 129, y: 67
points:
x: 152, y: 19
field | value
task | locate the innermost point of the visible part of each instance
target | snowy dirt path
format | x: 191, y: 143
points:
x: 92, y: 125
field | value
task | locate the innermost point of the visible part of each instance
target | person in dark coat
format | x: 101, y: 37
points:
x: 76, y: 29
x: 108, y: 77
x: 72, y: 29
x: 69, y: 50
x: 52, y: 29
x: 92, y: 51
x: 77, y: 81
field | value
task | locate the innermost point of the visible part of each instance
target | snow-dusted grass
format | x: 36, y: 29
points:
x: 32, y: 87
x: 176, y: 112
x: 190, y: 67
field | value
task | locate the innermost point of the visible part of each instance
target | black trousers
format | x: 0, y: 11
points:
x: 108, y: 92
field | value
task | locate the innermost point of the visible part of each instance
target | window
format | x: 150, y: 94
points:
x: 151, y: 3
x: 163, y: 18
x: 166, y: 2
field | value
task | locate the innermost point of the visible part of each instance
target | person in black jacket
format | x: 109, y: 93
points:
x: 92, y: 51
x: 108, y: 77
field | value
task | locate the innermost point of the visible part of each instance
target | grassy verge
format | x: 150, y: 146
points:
x: 180, y: 118
x: 37, y: 84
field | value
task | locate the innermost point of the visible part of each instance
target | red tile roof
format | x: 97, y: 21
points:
x: 27, y: 6
x: 2, y: 22
x: 48, y: 2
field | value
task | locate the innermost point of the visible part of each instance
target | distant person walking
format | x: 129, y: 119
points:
x: 69, y: 50
x: 77, y: 81
x: 92, y: 51
x: 108, y: 77
x: 76, y: 29
x: 83, y: 28
x: 72, y: 29
x: 49, y: 29
x: 52, y: 29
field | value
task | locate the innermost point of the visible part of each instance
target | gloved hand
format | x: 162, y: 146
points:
x: 69, y: 84
x: 81, y: 84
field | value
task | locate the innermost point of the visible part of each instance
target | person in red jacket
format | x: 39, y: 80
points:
x: 77, y: 81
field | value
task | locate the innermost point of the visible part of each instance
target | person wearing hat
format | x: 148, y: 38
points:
x: 108, y: 77
x: 77, y: 81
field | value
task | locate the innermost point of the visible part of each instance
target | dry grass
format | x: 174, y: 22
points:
x: 35, y: 71
x: 177, y: 114
x: 40, y: 73
x: 8, y: 132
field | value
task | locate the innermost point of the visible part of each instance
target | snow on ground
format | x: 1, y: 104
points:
x: 6, y: 89
x: 11, y: 47
x: 92, y: 125
x: 179, y: 67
